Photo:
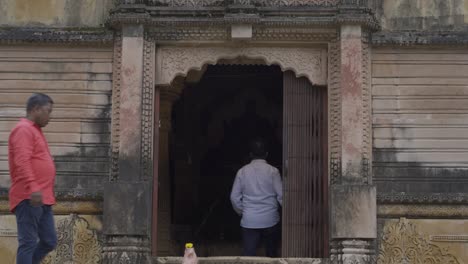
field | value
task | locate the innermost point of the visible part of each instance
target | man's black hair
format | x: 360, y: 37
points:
x: 38, y: 100
x: 258, y: 148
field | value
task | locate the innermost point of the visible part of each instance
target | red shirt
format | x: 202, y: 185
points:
x: 32, y: 168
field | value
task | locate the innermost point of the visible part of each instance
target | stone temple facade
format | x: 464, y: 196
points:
x: 131, y: 78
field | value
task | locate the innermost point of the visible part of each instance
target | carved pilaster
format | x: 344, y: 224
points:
x: 127, y: 199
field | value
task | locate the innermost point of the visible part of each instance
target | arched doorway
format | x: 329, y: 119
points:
x: 208, y: 117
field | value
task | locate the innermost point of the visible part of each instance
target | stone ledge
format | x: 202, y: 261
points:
x: 413, y: 38
x: 243, y: 260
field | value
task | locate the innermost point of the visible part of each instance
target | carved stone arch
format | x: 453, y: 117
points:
x: 178, y: 61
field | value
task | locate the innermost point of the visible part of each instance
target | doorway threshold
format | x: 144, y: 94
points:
x: 244, y: 260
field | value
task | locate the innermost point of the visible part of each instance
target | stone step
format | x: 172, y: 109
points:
x: 243, y: 260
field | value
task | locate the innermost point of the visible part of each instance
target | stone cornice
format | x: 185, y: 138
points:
x: 422, y: 198
x: 413, y: 38
x: 254, y: 12
x: 99, y: 36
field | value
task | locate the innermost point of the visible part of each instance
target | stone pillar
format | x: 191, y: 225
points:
x: 168, y: 95
x: 127, y: 198
x: 353, y: 198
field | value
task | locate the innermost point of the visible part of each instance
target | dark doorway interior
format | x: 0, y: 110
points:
x: 212, y: 124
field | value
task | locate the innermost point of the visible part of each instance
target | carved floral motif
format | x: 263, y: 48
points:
x: 402, y: 243
x: 77, y: 243
x: 178, y: 61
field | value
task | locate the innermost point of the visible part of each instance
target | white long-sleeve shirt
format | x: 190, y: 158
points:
x: 257, y: 194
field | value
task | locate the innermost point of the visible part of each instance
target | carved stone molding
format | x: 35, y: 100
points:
x: 423, y: 210
x: 116, y: 84
x: 162, y: 34
x: 147, y: 110
x: 334, y: 102
x: 23, y: 36
x: 268, y: 3
x: 402, y: 243
x: 77, y: 243
x: 352, y: 251
x: 126, y: 250
x: 415, y: 38
x: 178, y: 61
x: 366, y: 111
x: 422, y: 198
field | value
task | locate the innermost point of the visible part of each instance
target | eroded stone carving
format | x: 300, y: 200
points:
x: 366, y: 112
x: 201, y: 3
x: 334, y: 101
x: 189, y: 3
x: 147, y: 110
x: 178, y: 61
x: 77, y: 243
x: 402, y: 243
x: 116, y: 83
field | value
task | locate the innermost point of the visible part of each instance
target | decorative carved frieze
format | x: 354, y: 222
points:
x: 174, y: 61
x: 334, y: 102
x: 222, y: 33
x: 402, y: 243
x: 147, y: 110
x: 185, y: 3
x: 116, y: 84
x: 423, y: 210
x: 268, y: 3
x: 366, y: 165
x: 422, y: 198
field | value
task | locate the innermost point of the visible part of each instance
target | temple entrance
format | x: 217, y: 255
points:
x: 212, y: 123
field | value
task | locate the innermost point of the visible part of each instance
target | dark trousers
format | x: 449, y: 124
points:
x: 36, y: 232
x: 252, y: 236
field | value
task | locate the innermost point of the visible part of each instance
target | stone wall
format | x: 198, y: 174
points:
x: 425, y: 15
x: 79, y: 81
x: 54, y: 13
x: 420, y: 120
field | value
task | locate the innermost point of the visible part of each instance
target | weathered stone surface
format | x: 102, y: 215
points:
x: 353, y: 211
x: 419, y: 120
x: 72, y: 13
x: 423, y: 240
x: 423, y: 14
x: 127, y: 208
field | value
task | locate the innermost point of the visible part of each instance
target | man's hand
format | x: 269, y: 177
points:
x: 36, y: 199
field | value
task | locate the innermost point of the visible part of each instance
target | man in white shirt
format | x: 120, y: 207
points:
x: 256, y: 195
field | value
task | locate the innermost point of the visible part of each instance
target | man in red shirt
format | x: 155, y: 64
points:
x: 32, y: 173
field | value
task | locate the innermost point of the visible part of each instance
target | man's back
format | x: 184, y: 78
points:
x: 256, y: 193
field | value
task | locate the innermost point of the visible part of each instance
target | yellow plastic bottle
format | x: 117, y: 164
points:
x: 190, y: 257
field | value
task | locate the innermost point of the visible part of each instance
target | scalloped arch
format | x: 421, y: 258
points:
x: 178, y: 61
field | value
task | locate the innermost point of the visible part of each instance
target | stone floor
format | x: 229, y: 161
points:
x: 243, y: 260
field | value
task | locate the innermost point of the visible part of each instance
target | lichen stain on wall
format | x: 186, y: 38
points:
x: 55, y: 13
